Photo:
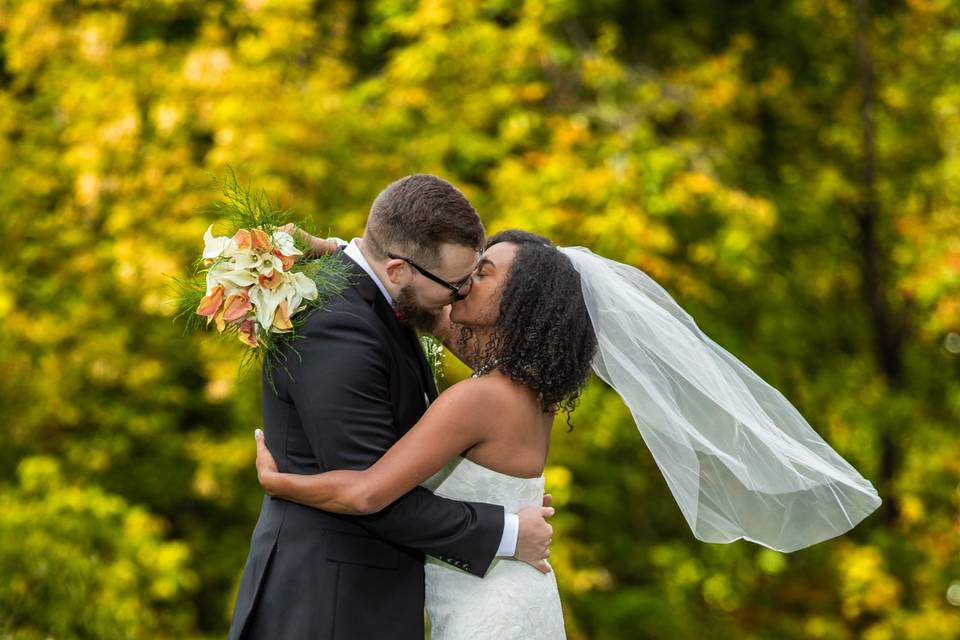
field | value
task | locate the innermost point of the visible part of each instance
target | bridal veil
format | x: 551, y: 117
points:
x: 738, y: 458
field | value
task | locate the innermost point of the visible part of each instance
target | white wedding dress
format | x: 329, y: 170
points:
x: 513, y: 600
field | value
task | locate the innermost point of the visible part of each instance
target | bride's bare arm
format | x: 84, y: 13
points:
x: 450, y: 426
x: 318, y: 246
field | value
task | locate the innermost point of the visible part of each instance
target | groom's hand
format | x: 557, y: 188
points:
x: 536, y: 534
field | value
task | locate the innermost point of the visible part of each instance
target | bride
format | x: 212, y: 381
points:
x: 739, y: 459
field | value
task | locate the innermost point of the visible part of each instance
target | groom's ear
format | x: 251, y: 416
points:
x: 396, y: 271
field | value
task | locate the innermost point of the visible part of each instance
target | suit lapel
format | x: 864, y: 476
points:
x: 410, y: 344
x: 403, y: 335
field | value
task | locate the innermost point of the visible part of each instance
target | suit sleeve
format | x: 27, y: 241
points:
x: 341, y: 391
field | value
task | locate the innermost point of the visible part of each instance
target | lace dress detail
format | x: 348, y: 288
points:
x: 513, y: 600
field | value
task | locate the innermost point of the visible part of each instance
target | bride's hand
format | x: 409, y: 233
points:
x: 318, y: 246
x: 266, y: 465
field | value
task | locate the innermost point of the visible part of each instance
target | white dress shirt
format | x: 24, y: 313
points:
x: 511, y: 522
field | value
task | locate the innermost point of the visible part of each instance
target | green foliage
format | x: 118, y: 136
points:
x: 79, y: 562
x: 720, y: 147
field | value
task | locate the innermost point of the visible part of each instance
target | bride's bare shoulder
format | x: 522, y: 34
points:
x: 494, y: 392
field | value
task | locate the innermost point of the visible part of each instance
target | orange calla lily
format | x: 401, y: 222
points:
x: 261, y: 241
x: 246, y: 334
x: 271, y: 281
x: 242, y: 238
x: 281, y: 318
x: 210, y: 303
x: 286, y: 261
x: 221, y: 325
x: 236, y: 306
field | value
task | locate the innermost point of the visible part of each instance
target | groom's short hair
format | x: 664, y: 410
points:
x: 417, y: 214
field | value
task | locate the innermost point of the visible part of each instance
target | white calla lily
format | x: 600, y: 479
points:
x: 266, y: 302
x: 305, y: 288
x: 216, y: 246
x: 229, y: 276
x: 269, y: 262
x: 296, y: 288
x: 285, y: 243
x: 247, y: 259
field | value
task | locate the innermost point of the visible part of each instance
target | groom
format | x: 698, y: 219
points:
x: 359, y: 383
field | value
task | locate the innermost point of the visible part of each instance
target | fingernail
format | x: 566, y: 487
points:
x: 257, y: 433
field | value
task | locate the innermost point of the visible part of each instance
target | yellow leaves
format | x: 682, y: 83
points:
x: 719, y: 593
x: 865, y: 585
x: 431, y: 15
x: 6, y: 296
x: 166, y: 116
x: 743, y: 210
x: 929, y: 6
x: 912, y: 510
x: 219, y: 462
x: 681, y: 572
x: 530, y: 92
x: 121, y: 130
x: 410, y: 97
x: 221, y: 379
x: 558, y: 479
x: 168, y: 561
x: 695, y: 183
x: 771, y: 562
x: 207, y: 68
x: 411, y: 66
x: 139, y: 524
x: 279, y: 29
x: 87, y: 189
x: 600, y: 71
x: 827, y: 628
x: 517, y: 128
x: 39, y: 474
x: 721, y: 93
x: 568, y: 131
x: 97, y: 34
x: 30, y: 36
x: 895, y: 97
x: 143, y: 374
x: 581, y: 580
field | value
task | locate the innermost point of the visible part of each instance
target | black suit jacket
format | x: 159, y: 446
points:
x: 359, y: 383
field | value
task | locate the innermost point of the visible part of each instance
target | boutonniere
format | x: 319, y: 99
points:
x: 433, y: 349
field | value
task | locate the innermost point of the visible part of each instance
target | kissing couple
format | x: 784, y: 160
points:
x: 383, y: 495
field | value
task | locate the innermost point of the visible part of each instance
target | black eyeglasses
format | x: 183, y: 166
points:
x: 454, y: 287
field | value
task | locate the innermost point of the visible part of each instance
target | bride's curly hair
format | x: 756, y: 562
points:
x: 543, y: 337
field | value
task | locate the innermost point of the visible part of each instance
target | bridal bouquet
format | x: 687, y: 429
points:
x: 250, y: 282
x: 257, y: 281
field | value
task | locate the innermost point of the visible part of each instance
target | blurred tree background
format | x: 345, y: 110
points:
x: 789, y: 171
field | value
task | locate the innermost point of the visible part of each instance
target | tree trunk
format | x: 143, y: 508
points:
x: 887, y: 338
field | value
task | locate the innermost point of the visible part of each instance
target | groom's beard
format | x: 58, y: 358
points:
x: 412, y: 314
